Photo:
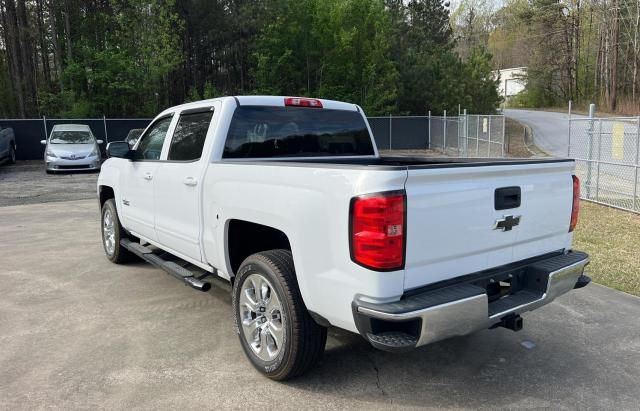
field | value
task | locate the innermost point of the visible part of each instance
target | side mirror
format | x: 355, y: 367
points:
x: 43, y: 142
x: 100, y: 141
x: 119, y: 149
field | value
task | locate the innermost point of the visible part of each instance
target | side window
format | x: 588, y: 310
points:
x: 151, y: 142
x: 188, y: 139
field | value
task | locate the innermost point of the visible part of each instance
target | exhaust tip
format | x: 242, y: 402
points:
x: 205, y: 287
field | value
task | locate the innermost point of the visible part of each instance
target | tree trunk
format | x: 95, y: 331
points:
x: 10, y: 24
x: 54, y: 16
x: 26, y: 56
x: 44, y: 49
x: 614, y: 57
x: 67, y: 27
x: 635, y: 53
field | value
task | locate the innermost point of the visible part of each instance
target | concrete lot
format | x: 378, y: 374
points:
x: 27, y: 183
x: 77, y: 332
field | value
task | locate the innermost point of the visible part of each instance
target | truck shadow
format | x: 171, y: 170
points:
x: 558, y: 360
x: 489, y: 369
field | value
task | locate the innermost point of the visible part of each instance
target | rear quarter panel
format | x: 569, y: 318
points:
x: 310, y: 204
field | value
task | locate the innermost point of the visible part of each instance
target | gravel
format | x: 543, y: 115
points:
x: 27, y: 183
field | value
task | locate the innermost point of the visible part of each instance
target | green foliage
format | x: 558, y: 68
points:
x: 125, y: 72
x: 333, y: 49
x: 209, y: 92
x: 532, y: 97
x: 135, y: 57
x: 433, y: 78
x: 481, y: 86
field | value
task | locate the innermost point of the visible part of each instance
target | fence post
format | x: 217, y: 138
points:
x: 429, y: 135
x: 444, y: 141
x: 465, y: 134
x: 592, y: 110
x: 390, y: 133
x: 636, y: 200
x: 504, y: 125
x: 44, y: 122
x: 477, y: 136
x: 599, y: 158
x: 106, y: 136
x: 569, y: 134
x: 489, y: 143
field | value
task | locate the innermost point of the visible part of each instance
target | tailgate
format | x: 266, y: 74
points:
x: 451, y: 217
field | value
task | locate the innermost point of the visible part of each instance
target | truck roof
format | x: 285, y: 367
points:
x: 260, y: 101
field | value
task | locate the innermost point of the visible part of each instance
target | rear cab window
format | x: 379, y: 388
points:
x: 270, y: 131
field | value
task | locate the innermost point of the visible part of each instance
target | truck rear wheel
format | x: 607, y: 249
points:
x: 112, y: 232
x: 276, y: 332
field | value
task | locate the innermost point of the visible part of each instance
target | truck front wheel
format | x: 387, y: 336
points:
x: 112, y: 232
x: 276, y: 332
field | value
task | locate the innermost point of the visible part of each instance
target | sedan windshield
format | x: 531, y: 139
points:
x: 71, y: 137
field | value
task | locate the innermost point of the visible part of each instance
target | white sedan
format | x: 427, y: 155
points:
x: 71, y: 147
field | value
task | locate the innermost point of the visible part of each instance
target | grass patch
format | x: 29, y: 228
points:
x: 612, y: 238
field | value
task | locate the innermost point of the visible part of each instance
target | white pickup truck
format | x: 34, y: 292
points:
x: 289, y: 200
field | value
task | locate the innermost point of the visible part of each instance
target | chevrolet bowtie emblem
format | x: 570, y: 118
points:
x: 507, y: 223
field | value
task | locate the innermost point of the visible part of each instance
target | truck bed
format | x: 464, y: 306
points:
x: 405, y: 162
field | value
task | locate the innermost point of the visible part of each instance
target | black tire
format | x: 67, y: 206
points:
x: 118, y: 254
x: 48, y: 171
x: 303, y: 339
x: 12, y: 154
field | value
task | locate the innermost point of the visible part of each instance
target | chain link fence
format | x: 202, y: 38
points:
x: 466, y: 135
x: 29, y: 132
x: 607, y: 154
x: 458, y: 136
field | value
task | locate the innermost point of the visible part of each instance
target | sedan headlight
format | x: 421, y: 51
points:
x: 51, y: 153
x: 94, y: 153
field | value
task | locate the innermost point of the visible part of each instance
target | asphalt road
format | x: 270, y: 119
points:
x: 611, y: 177
x: 550, y: 129
x: 77, y: 332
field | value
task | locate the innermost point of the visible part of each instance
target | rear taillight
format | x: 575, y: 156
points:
x: 302, y: 102
x: 378, y: 230
x: 576, y: 203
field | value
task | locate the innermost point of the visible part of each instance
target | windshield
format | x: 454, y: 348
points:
x: 264, y: 131
x: 71, y: 137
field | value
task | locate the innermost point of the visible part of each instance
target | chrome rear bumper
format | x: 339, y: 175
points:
x: 464, y: 307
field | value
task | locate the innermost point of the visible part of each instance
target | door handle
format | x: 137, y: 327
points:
x: 506, y: 198
x: 190, y: 181
x: 148, y: 176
